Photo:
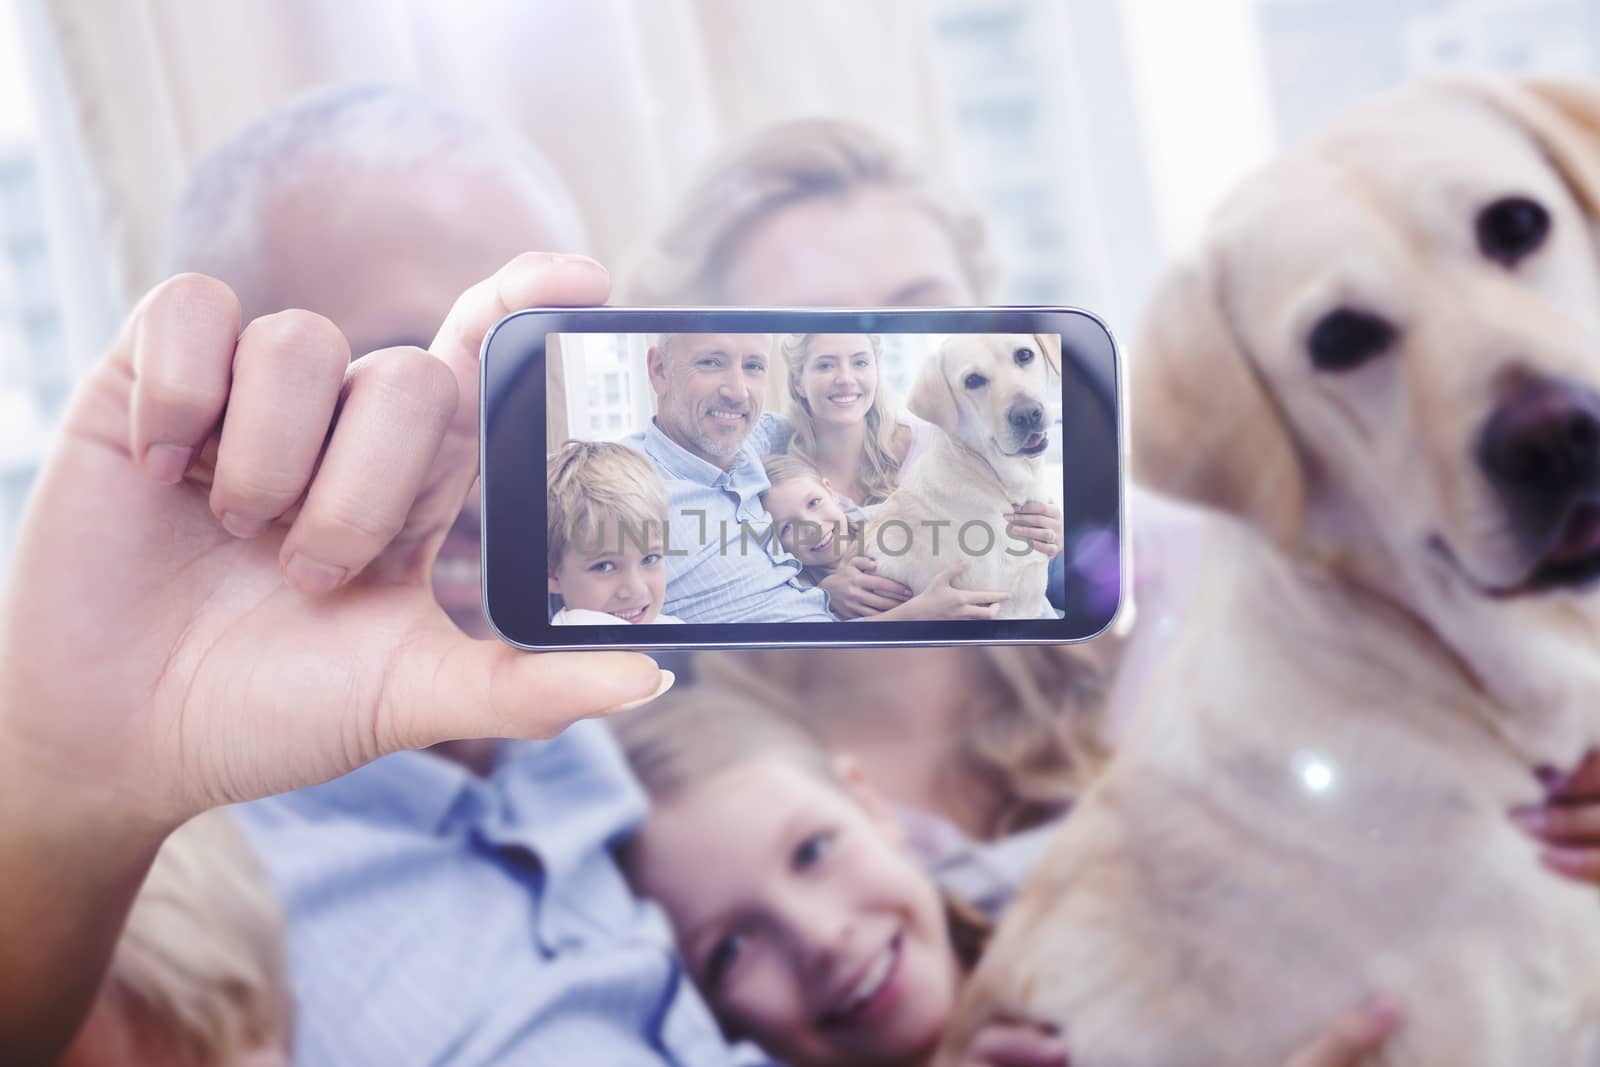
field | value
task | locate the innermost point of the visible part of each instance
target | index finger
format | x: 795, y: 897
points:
x: 178, y: 350
x: 1017, y: 1045
x: 533, y: 279
x: 875, y: 603
x: 1353, y: 1035
x: 1581, y: 784
x: 885, y: 587
x: 1022, y: 526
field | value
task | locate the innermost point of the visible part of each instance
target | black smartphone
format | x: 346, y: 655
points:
x: 724, y: 478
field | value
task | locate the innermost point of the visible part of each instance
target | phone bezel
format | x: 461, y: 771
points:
x: 512, y: 371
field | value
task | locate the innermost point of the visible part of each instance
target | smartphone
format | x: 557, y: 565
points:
x: 690, y: 478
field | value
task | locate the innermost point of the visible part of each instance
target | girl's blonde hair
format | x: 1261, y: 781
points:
x: 787, y: 466
x: 687, y: 262
x: 701, y: 729
x: 1031, y: 729
x: 880, y: 470
x: 591, y: 483
x: 199, y: 970
x: 697, y: 730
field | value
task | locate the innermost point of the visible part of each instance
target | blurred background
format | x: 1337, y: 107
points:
x: 1096, y: 134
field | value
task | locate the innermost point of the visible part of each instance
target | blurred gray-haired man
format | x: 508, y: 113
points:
x: 375, y: 206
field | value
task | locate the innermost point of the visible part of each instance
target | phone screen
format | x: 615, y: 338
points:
x: 886, y: 485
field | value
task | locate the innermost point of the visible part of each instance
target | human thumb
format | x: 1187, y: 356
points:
x: 452, y: 687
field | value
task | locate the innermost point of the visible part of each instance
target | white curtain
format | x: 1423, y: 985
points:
x: 627, y: 98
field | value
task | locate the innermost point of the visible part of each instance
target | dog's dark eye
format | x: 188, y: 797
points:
x: 1345, y: 339
x: 976, y: 381
x: 1511, y: 228
x: 1023, y: 356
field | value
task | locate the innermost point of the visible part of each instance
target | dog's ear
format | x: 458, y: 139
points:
x: 931, y: 396
x: 1201, y: 421
x: 1050, y: 348
x: 1564, y: 118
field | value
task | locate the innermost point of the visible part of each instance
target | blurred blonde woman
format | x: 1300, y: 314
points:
x: 827, y: 213
x: 198, y: 977
x: 817, y: 213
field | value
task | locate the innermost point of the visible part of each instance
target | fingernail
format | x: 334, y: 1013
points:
x: 538, y: 267
x: 1569, y: 860
x: 166, y: 463
x: 1532, y: 819
x: 1383, y: 1012
x: 667, y: 678
x: 312, y: 576
x: 240, y: 526
x: 1549, y: 777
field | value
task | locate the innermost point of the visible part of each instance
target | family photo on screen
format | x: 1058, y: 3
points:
x: 726, y: 478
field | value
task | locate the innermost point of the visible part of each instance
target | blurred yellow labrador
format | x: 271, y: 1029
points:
x: 1386, y: 361
x: 988, y: 393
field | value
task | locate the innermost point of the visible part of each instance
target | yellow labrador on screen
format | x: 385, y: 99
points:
x: 988, y: 393
x: 1386, y: 362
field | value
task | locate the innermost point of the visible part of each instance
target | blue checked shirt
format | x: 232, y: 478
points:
x: 436, y: 917
x: 723, y: 565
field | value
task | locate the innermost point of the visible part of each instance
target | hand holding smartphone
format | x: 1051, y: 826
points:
x: 748, y: 477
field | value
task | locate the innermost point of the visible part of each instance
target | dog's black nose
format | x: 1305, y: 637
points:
x: 1026, y: 415
x: 1543, y: 442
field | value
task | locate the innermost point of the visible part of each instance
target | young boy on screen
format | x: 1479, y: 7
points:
x: 606, y: 536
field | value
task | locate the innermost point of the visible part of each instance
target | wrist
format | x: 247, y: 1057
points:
x: 47, y: 792
x: 73, y: 767
x: 73, y: 864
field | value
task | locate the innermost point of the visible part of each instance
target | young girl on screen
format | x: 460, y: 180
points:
x: 814, y: 525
